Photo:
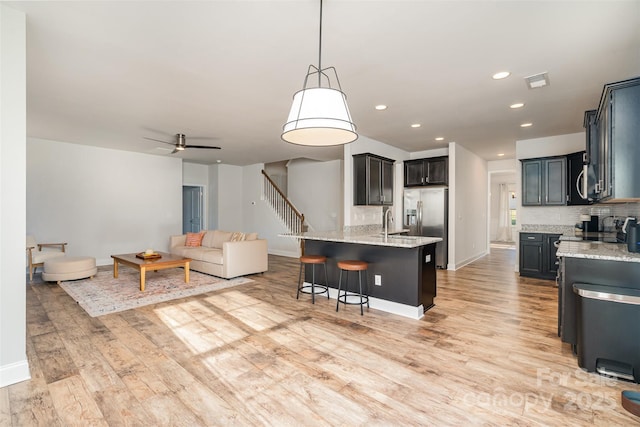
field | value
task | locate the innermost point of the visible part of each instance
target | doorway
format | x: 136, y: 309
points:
x: 192, y: 209
x: 502, y: 210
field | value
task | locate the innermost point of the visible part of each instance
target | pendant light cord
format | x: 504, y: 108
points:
x: 320, y: 50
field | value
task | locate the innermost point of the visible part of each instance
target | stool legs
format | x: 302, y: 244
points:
x: 313, y: 282
x: 364, y: 297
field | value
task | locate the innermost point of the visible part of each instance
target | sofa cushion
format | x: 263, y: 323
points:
x: 213, y: 256
x: 189, y: 251
x: 207, y: 239
x: 194, y: 239
x: 219, y: 237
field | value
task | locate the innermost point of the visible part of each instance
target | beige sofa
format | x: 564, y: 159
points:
x: 224, y: 254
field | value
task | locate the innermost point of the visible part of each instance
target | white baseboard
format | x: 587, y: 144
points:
x: 14, y: 373
x: 386, y: 306
x: 466, y: 262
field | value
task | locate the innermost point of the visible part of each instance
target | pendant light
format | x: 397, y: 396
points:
x: 319, y: 115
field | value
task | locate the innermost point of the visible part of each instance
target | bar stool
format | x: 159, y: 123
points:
x: 313, y: 260
x: 352, y: 265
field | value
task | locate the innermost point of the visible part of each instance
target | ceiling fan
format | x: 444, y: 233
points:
x: 181, y: 143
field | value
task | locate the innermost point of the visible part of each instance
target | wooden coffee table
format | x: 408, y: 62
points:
x: 142, y: 265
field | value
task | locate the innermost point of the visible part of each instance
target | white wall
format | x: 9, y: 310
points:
x: 259, y: 217
x: 467, y: 206
x: 425, y: 154
x: 315, y: 188
x: 101, y: 201
x: 230, y: 203
x: 14, y: 366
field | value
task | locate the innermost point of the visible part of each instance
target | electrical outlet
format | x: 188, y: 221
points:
x: 377, y: 280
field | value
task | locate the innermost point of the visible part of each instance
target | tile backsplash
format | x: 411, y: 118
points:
x: 365, y: 215
x: 570, y: 215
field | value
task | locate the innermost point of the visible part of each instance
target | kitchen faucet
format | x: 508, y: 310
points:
x: 388, y: 216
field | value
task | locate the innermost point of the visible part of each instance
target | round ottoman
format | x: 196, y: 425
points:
x: 69, y: 268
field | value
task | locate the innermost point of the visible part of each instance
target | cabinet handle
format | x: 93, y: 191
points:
x: 531, y: 237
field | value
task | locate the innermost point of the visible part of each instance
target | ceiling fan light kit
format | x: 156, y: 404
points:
x: 319, y: 116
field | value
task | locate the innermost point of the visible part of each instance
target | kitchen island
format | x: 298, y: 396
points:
x: 401, y: 277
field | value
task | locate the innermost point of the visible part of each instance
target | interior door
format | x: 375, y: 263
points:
x: 192, y: 209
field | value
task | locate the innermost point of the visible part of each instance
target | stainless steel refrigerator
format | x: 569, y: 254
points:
x: 426, y: 214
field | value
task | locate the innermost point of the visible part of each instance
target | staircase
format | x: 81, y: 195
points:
x: 292, y: 219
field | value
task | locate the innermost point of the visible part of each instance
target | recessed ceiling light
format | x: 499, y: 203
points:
x: 516, y: 105
x: 439, y: 138
x: 416, y: 125
x: 501, y: 75
x: 380, y: 107
x: 526, y: 125
x: 500, y: 154
x: 218, y: 161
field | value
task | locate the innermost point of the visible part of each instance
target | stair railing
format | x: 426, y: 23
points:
x: 283, y: 208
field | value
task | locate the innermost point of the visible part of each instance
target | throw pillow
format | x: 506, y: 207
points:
x: 237, y: 237
x: 194, y: 239
x: 251, y: 236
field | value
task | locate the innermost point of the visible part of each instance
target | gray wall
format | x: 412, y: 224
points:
x: 101, y: 201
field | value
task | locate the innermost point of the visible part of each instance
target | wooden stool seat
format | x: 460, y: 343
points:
x: 351, y: 297
x: 313, y: 259
x: 352, y: 265
x: 314, y: 288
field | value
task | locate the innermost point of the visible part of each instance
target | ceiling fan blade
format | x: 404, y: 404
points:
x: 165, y: 142
x: 202, y: 146
x: 175, y: 150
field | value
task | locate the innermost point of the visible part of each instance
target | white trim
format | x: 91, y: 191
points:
x: 14, y: 373
x: 404, y: 310
x: 468, y: 261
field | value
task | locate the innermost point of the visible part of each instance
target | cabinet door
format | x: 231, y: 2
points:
x: 555, y: 179
x: 625, y: 142
x: 436, y: 171
x: 551, y: 261
x: 530, y: 258
x: 387, y: 182
x: 532, y: 183
x: 413, y: 173
x: 604, y: 152
x: 593, y: 154
x: 360, y: 180
x: 375, y: 181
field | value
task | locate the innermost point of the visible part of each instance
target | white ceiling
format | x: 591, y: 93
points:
x: 111, y: 73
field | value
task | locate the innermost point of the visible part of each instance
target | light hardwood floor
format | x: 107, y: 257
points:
x: 486, y: 354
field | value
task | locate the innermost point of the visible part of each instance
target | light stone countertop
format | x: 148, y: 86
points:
x: 548, y: 229
x: 376, y: 239
x: 596, y: 250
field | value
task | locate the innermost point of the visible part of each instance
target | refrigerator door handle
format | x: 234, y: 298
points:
x: 420, y: 216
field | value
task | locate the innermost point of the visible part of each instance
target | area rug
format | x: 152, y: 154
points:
x: 105, y: 295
